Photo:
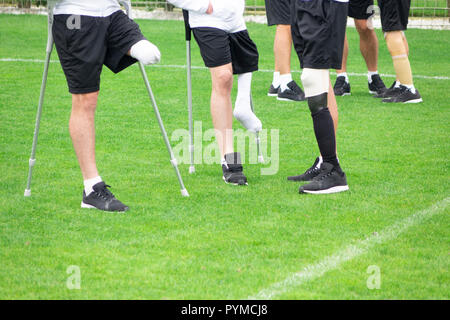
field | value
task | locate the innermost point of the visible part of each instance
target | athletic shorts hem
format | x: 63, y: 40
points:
x: 84, y: 90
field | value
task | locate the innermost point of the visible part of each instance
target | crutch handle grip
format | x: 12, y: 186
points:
x: 186, y: 25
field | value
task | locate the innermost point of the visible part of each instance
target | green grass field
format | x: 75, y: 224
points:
x: 223, y: 242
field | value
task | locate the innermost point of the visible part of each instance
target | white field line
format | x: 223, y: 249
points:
x: 352, y: 251
x: 261, y: 70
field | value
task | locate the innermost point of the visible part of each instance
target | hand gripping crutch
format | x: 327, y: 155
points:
x: 184, y: 192
x: 189, y: 88
x: 258, y: 140
x: 49, y: 50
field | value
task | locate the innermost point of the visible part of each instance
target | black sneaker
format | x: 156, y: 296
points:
x: 341, y: 87
x: 309, y: 174
x: 391, y: 92
x: 377, y: 85
x: 232, y: 169
x: 331, y: 179
x: 273, y: 92
x: 292, y: 93
x: 101, y: 198
x: 405, y: 95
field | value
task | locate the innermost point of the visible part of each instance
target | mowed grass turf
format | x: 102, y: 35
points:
x: 223, y: 242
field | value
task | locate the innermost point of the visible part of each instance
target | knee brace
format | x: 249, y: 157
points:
x: 315, y: 81
x: 145, y: 52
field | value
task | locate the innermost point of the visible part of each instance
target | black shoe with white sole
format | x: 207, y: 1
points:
x: 377, y: 85
x: 273, y: 92
x: 331, y: 179
x: 391, y: 92
x: 309, y: 174
x: 341, y: 87
x: 292, y: 93
x: 405, y: 95
x: 101, y: 198
x: 232, y: 169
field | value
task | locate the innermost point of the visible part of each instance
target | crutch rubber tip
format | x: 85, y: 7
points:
x: 27, y: 193
x: 191, y: 169
x: 184, y: 193
x: 260, y: 159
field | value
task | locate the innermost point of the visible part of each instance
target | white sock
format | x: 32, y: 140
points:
x: 284, y: 80
x: 343, y: 74
x: 276, y: 79
x: 410, y: 87
x: 89, y: 183
x: 397, y: 84
x: 370, y: 74
x: 242, y: 108
x: 319, y: 163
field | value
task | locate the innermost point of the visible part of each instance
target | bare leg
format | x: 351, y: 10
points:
x: 368, y: 44
x: 344, y: 56
x: 282, y: 49
x: 221, y: 107
x: 82, y: 132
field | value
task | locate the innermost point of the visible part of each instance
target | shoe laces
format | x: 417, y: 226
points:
x: 323, y: 174
x: 104, y: 193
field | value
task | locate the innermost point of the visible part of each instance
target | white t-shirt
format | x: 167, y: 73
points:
x: 228, y: 15
x: 93, y: 8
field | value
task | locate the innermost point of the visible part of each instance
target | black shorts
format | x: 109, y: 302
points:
x: 394, y: 14
x: 360, y: 9
x: 219, y: 47
x: 98, y: 41
x: 278, y: 12
x: 318, y: 32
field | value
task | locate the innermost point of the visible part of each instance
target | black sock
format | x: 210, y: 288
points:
x: 323, y: 128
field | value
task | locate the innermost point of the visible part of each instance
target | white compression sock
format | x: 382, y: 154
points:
x: 284, y: 80
x: 343, y: 74
x: 276, y: 79
x: 242, y: 109
x: 89, y: 183
x: 146, y: 52
x: 370, y: 74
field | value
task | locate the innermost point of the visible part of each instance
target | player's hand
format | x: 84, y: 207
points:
x: 210, y: 8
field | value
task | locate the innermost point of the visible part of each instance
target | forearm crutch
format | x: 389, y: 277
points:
x: 49, y: 50
x: 173, y: 161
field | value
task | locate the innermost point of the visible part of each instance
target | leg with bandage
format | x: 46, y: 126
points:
x: 243, y: 109
x: 399, y: 54
x: 316, y: 83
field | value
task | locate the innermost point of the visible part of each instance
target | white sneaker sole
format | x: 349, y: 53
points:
x: 87, y: 206
x: 328, y: 191
x: 286, y: 99
x: 272, y: 94
x: 345, y: 94
x: 234, y: 184
x: 414, y: 101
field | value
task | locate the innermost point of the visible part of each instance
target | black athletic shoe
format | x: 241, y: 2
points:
x: 377, y: 85
x: 391, y: 92
x: 341, y: 87
x: 232, y: 169
x: 273, y: 92
x: 405, y: 95
x: 309, y: 174
x: 330, y: 180
x: 292, y: 93
x: 101, y: 198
